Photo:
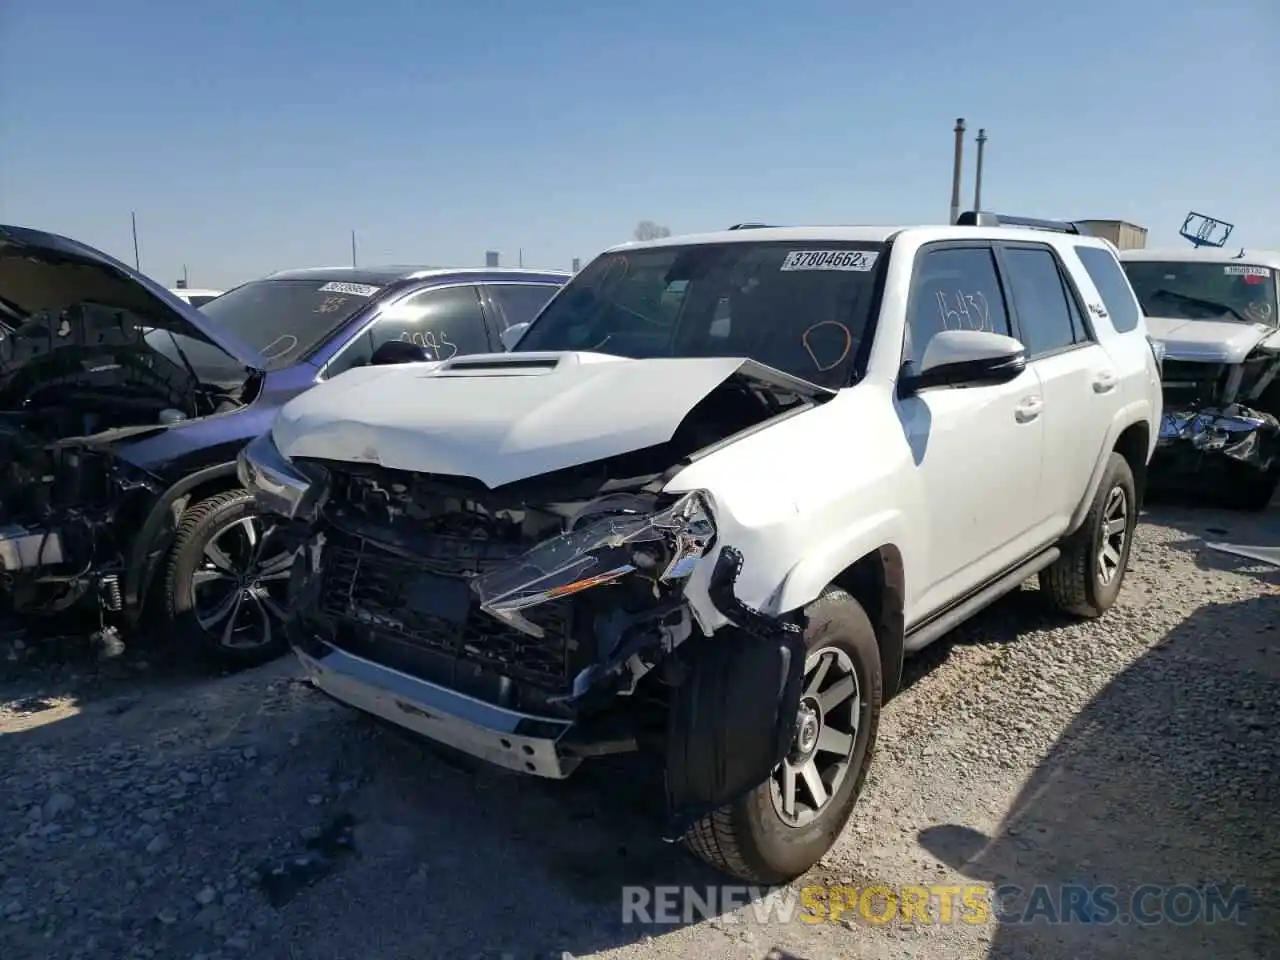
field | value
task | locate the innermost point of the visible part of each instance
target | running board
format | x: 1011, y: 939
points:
x: 920, y: 637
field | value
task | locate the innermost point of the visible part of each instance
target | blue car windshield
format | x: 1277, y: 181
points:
x: 804, y: 308
x: 282, y: 319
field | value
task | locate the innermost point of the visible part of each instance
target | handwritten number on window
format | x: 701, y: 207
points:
x: 964, y: 311
x: 438, y: 345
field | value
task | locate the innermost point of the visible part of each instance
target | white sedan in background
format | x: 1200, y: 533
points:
x: 197, y: 298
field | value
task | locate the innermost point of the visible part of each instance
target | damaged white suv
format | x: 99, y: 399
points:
x: 713, y: 495
x: 1214, y: 314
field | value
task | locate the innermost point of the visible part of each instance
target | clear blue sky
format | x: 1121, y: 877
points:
x: 253, y: 136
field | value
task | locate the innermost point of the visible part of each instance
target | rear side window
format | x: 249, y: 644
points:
x: 1113, y: 286
x: 1047, y: 320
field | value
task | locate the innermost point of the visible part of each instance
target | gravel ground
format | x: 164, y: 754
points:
x: 152, y: 814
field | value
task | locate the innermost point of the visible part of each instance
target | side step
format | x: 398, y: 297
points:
x: 920, y: 637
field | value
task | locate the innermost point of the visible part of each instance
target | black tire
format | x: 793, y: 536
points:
x: 202, y: 523
x: 750, y: 839
x: 1074, y: 583
x: 1249, y: 489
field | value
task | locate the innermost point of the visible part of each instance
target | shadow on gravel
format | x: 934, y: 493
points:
x: 1202, y: 526
x: 1020, y: 612
x: 1168, y: 786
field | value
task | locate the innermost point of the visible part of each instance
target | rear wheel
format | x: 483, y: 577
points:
x: 227, y: 580
x: 1086, y: 579
x: 783, y: 827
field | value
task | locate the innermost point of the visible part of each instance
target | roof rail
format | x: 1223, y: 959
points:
x: 983, y: 218
x: 750, y: 226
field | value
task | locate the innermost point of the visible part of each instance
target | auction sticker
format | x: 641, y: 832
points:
x: 352, y: 289
x: 859, y: 261
x: 1238, y: 271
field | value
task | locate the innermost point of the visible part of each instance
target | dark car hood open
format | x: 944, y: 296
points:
x: 41, y: 274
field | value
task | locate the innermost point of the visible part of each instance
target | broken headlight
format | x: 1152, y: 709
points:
x: 610, y: 538
x: 279, y: 485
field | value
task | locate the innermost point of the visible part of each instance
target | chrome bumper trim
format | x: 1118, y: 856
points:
x: 505, y: 738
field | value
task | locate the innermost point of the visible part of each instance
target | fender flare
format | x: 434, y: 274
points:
x: 138, y: 571
x: 882, y: 535
x: 1137, y: 412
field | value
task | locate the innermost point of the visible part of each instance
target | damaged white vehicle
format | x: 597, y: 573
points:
x: 711, y: 497
x: 1214, y: 313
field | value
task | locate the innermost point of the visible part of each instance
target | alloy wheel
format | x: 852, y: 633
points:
x: 821, y: 753
x: 240, y: 585
x: 1115, y: 529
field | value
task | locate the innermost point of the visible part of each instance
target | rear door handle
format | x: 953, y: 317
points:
x: 1104, y: 381
x: 1028, y: 409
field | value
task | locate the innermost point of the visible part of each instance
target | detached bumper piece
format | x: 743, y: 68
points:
x: 1236, y: 433
x: 734, y: 716
x: 507, y: 738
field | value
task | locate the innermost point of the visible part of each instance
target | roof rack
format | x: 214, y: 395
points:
x: 750, y: 226
x: 983, y: 218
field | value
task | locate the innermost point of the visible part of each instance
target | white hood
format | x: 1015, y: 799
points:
x: 499, y: 417
x: 1212, y: 341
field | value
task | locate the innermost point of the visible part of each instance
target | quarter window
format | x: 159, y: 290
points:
x: 1112, y: 285
x: 957, y: 288
x: 1048, y: 318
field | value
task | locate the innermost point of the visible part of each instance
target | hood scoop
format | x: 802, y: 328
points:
x: 517, y: 364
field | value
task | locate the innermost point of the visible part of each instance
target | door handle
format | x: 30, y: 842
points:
x: 1028, y: 409
x: 1104, y: 381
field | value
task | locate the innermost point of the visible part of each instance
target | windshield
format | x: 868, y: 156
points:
x: 281, y: 319
x: 802, y: 308
x: 1205, y: 291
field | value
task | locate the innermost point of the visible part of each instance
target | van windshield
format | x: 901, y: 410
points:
x: 802, y: 308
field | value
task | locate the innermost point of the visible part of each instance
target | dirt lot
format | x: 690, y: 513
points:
x: 139, y: 814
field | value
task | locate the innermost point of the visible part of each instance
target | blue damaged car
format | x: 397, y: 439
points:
x: 123, y: 408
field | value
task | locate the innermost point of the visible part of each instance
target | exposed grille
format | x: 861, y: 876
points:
x: 1189, y: 383
x: 366, y: 584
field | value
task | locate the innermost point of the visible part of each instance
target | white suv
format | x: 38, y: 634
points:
x: 717, y: 490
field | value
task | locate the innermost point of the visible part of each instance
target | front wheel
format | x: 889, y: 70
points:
x: 227, y: 580
x: 784, y: 826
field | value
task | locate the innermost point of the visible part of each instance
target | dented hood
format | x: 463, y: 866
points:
x: 504, y: 417
x: 1211, y: 341
x: 42, y: 274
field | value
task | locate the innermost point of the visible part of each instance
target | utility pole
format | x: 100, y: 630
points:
x: 977, y: 180
x: 521, y: 256
x: 353, y: 249
x: 137, y: 262
x: 956, y: 169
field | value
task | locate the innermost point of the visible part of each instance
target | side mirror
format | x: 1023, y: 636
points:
x: 511, y: 335
x: 966, y: 358
x: 399, y: 351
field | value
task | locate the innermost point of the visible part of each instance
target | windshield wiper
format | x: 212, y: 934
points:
x: 1200, y: 302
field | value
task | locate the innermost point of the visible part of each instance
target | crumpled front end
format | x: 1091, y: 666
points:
x: 1218, y: 415
x: 530, y: 626
x: 67, y: 510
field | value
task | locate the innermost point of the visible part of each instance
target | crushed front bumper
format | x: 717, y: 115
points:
x: 507, y: 738
x: 1192, y: 439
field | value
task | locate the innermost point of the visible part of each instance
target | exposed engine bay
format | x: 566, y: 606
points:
x: 75, y: 379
